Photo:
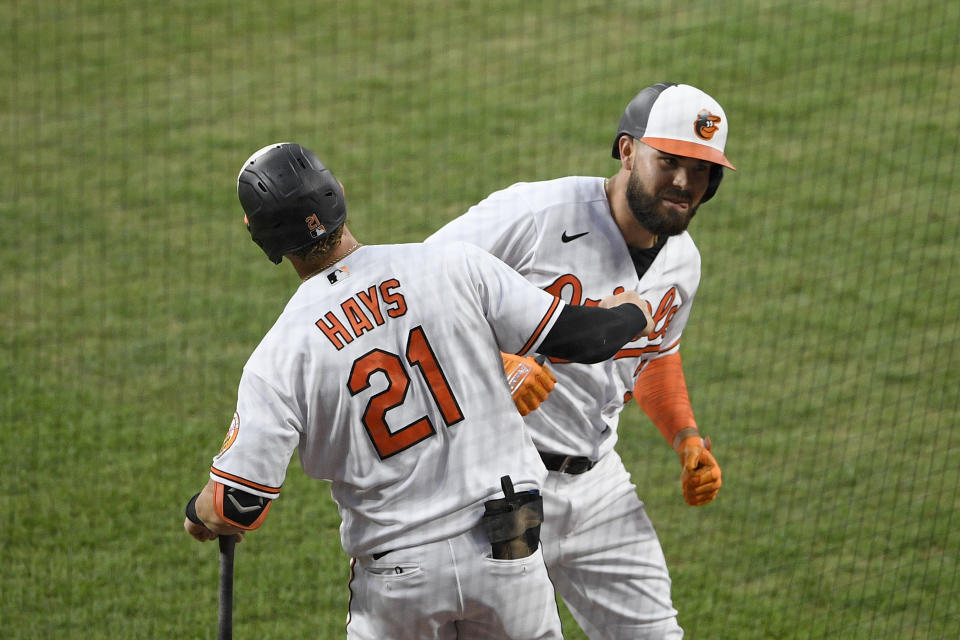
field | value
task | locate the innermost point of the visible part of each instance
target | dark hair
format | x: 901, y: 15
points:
x: 319, y: 249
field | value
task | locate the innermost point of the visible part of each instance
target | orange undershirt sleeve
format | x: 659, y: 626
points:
x: 661, y: 391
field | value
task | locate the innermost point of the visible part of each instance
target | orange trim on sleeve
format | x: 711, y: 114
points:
x: 661, y: 391
x: 539, y: 329
x: 635, y: 352
x: 244, y: 482
x: 218, y: 492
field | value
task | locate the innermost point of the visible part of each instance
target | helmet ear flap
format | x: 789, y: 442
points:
x: 716, y: 175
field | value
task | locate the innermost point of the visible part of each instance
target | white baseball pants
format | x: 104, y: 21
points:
x: 604, y: 557
x: 451, y: 589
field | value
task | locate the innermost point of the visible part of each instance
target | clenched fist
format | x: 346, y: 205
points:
x: 530, y: 383
x: 701, y: 477
x: 631, y: 297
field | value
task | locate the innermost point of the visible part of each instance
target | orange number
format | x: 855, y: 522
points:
x: 419, y: 354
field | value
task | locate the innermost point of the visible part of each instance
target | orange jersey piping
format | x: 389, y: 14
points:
x: 244, y: 482
x: 539, y: 329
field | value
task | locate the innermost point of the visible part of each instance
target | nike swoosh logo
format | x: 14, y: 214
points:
x: 566, y: 238
x: 240, y: 507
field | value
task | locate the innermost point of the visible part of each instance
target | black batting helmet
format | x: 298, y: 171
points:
x: 682, y: 120
x: 291, y: 200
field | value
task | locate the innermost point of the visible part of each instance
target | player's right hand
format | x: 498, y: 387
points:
x: 631, y: 297
x: 530, y: 382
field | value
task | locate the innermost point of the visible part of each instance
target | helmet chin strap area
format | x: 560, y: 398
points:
x: 716, y: 175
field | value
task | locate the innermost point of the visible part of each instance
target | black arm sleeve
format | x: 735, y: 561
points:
x: 592, y: 334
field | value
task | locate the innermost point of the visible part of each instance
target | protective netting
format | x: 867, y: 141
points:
x: 822, y: 355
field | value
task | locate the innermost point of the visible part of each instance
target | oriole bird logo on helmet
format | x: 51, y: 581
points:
x: 706, y: 124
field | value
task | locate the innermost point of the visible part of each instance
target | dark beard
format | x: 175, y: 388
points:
x: 644, y: 208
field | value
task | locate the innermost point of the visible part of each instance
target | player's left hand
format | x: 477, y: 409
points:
x: 631, y: 297
x: 201, y: 533
x: 530, y: 382
x: 701, y: 477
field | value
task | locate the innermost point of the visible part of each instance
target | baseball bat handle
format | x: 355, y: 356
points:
x: 225, y: 616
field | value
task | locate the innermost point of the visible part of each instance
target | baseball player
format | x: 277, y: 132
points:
x: 383, y: 372
x: 581, y: 239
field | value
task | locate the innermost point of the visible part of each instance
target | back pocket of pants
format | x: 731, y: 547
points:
x: 396, y: 571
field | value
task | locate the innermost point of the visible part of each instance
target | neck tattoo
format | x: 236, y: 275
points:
x: 356, y: 245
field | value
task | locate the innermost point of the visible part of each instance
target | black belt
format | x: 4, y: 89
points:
x: 573, y: 465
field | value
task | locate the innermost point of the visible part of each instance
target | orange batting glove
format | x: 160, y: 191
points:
x: 701, y: 477
x: 530, y: 382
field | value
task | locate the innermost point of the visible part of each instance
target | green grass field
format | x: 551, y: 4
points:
x: 822, y: 355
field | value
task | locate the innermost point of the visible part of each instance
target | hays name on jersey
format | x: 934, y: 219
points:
x: 363, y: 311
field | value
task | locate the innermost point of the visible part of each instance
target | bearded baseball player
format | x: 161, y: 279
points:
x: 384, y: 373
x: 582, y: 239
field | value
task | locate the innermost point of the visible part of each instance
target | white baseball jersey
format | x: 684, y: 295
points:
x: 384, y: 373
x: 561, y: 236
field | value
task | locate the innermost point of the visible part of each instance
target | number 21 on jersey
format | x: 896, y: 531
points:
x: 418, y: 354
